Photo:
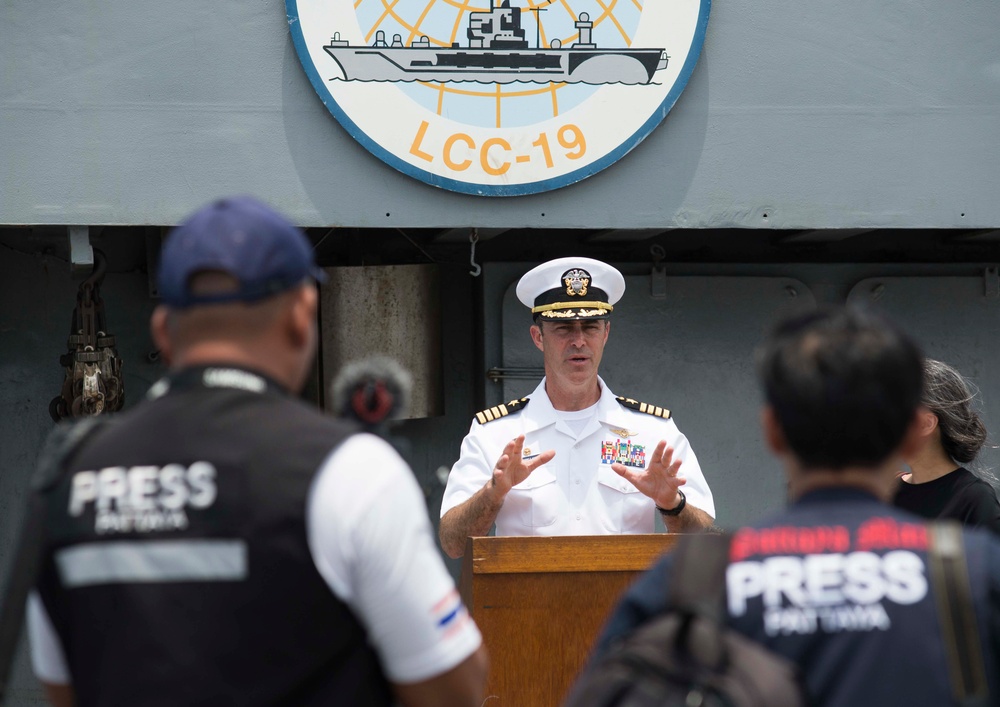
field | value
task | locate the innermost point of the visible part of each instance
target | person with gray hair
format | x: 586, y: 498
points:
x: 951, y: 434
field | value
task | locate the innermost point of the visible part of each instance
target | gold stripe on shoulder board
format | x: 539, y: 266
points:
x: 633, y: 404
x: 502, y: 410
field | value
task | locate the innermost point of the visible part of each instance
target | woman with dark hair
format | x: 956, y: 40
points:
x: 938, y: 485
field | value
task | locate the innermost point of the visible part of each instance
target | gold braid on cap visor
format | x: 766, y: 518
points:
x: 549, y: 310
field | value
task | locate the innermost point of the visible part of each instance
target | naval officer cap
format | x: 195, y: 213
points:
x: 571, y: 288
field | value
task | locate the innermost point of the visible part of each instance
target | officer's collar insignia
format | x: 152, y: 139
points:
x: 622, y: 432
x: 576, y: 281
x: 633, y: 404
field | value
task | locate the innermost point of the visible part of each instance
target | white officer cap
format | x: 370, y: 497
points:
x: 571, y: 288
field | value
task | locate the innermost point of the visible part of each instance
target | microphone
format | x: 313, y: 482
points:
x: 371, y: 392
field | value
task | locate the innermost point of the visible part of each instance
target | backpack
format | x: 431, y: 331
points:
x: 687, y: 656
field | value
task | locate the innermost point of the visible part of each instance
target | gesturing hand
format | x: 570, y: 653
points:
x: 659, y: 479
x: 511, y: 469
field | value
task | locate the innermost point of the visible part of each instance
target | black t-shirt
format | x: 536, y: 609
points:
x: 959, y: 495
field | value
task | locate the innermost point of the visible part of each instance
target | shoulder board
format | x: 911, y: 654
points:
x: 502, y: 410
x: 644, y: 407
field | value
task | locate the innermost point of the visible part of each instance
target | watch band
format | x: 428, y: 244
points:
x: 677, y: 510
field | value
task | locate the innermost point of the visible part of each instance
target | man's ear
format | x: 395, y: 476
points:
x: 302, y: 316
x: 774, y: 436
x: 159, y: 329
x: 536, y: 336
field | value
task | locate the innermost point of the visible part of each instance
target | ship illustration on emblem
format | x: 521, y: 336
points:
x: 498, y: 53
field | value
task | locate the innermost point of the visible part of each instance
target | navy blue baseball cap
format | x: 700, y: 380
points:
x: 242, y: 237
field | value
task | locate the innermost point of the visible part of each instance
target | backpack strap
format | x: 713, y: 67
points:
x: 696, y: 591
x: 698, y: 578
x: 61, y: 443
x: 950, y: 581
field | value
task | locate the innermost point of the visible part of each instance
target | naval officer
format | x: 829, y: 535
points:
x: 572, y: 458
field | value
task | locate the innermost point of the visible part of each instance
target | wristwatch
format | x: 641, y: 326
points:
x: 676, y: 511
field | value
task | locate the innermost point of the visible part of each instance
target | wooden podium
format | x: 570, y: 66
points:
x: 541, y: 602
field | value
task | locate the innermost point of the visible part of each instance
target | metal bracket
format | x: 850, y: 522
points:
x: 476, y: 271
x: 991, y: 283
x: 81, y: 253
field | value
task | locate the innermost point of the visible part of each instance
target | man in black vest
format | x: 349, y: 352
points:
x: 839, y: 582
x: 224, y: 543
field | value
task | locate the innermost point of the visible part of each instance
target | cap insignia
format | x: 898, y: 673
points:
x: 576, y: 282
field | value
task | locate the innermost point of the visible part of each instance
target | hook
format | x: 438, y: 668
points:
x: 658, y: 252
x: 100, y: 267
x: 473, y: 239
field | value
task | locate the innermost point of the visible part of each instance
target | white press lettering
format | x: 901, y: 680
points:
x: 743, y: 580
x: 788, y: 585
x: 201, y: 476
x: 174, y: 492
x: 112, y: 485
x: 784, y: 577
x: 824, y: 579
x: 82, y: 491
x: 904, y: 571
x: 143, y: 498
x: 862, y: 578
x: 142, y: 487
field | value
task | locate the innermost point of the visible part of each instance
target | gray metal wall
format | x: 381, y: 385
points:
x: 799, y: 115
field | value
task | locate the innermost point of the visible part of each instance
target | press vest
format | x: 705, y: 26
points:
x: 178, y: 570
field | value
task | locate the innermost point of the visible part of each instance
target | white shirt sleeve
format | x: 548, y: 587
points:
x: 47, y: 657
x: 372, y: 541
x: 471, y: 472
x: 696, y: 489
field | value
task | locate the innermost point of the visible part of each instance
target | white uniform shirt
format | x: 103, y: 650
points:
x: 373, y: 543
x: 577, y: 492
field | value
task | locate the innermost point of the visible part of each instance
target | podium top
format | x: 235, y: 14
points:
x: 572, y: 553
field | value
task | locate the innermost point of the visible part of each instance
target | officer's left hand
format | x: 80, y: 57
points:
x: 659, y: 479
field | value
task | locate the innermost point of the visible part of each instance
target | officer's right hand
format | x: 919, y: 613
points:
x: 511, y: 469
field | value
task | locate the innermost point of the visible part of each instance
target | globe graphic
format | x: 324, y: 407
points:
x: 444, y: 22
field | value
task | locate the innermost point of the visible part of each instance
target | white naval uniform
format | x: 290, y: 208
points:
x: 577, y: 492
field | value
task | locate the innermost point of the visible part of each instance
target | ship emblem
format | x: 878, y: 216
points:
x: 507, y: 98
x: 498, y: 52
x: 576, y: 282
